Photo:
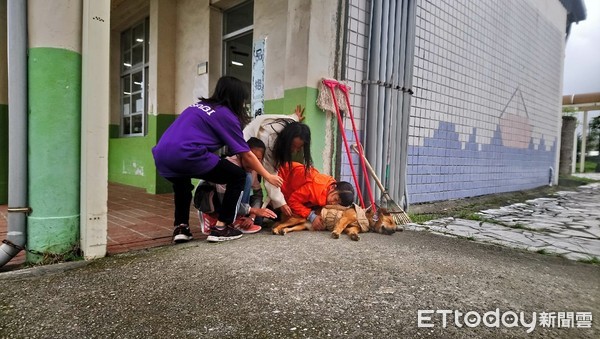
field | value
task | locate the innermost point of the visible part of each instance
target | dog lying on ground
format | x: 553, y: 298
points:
x: 338, y: 219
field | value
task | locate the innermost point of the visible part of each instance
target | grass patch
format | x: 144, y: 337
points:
x: 520, y: 226
x: 544, y: 251
x: 590, y: 260
x: 469, y: 215
x: 573, y: 181
x: 49, y: 258
x: 481, y: 219
x: 422, y: 218
x: 589, y: 166
x: 468, y: 207
x: 469, y: 238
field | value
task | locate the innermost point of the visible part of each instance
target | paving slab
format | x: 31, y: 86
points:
x: 566, y: 223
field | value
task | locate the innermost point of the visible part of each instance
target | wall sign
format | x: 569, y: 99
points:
x: 258, y: 77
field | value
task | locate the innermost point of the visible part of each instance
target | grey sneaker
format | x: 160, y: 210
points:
x: 182, y: 233
x: 224, y: 234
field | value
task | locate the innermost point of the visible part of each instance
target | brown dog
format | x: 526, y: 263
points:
x: 338, y: 219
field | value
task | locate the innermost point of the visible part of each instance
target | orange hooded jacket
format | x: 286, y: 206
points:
x: 303, y: 190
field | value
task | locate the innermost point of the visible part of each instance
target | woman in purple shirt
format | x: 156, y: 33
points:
x: 186, y: 151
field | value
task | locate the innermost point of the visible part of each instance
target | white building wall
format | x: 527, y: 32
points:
x: 270, y: 25
x: 193, y: 27
x: 487, y: 82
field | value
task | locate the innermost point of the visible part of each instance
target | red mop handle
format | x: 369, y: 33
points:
x: 345, y: 89
x: 331, y: 84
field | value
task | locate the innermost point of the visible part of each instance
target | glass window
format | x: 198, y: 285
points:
x: 126, y: 85
x: 126, y: 40
x: 126, y: 65
x: 134, y: 79
x: 137, y: 56
x: 126, y: 125
x: 139, y: 34
x: 238, y: 17
x: 237, y: 48
x: 126, y: 106
x: 137, y: 103
x: 137, y: 83
x: 136, y: 123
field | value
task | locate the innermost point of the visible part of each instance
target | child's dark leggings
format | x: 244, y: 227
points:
x: 224, y: 173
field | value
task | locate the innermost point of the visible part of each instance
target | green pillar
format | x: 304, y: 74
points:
x: 54, y: 76
x: 314, y: 118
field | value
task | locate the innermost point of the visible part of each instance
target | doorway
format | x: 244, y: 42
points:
x: 237, y: 42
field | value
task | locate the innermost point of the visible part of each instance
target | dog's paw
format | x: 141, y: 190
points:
x: 279, y: 232
x: 354, y: 237
x: 335, y: 235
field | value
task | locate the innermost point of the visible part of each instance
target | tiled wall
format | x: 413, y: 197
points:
x: 485, y: 113
x: 357, y: 37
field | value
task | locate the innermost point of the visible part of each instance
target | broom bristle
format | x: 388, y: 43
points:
x: 400, y: 216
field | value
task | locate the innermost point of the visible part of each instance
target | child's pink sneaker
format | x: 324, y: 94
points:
x: 250, y: 230
x: 247, y: 230
x: 206, y: 222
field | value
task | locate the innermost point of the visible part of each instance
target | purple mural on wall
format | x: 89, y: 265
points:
x: 441, y: 169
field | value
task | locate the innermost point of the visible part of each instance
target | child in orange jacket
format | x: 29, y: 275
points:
x: 305, y: 189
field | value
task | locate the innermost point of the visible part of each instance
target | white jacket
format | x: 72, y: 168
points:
x: 266, y: 128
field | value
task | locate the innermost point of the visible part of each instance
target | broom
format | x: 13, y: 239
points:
x: 333, y: 97
x: 400, y: 216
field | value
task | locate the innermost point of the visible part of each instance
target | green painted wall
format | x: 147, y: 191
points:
x: 113, y: 131
x: 130, y: 159
x: 315, y: 118
x: 54, y: 77
x: 3, y: 154
x: 274, y: 106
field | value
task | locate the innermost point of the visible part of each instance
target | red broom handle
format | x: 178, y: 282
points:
x: 344, y: 89
x: 331, y: 85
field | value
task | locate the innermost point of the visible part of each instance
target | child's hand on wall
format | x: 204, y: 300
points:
x: 299, y: 111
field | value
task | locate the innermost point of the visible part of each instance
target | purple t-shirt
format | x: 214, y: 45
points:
x: 186, y: 148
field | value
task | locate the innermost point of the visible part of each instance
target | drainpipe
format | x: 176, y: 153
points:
x: 395, y: 165
x: 371, y: 144
x: 390, y: 68
x: 17, y: 130
x: 377, y: 162
x: 407, y: 95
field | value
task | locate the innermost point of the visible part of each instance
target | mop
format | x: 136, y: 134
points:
x: 329, y: 100
x: 400, y: 216
x: 327, y: 96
